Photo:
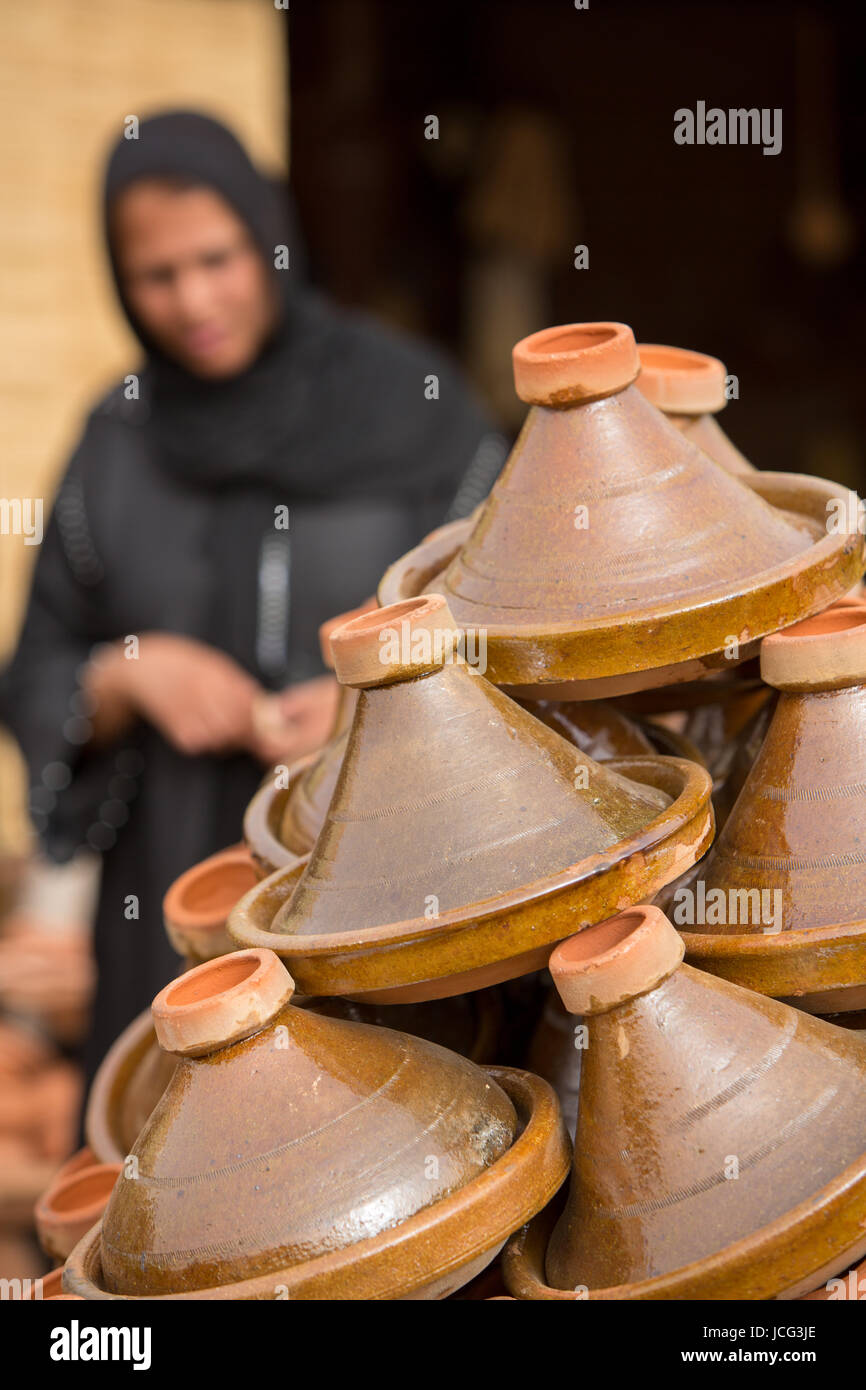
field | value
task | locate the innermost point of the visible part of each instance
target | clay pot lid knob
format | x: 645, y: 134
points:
x: 399, y: 642
x: 608, y: 964
x: 823, y: 653
x: 681, y: 382
x: 575, y: 362
x: 368, y: 606
x: 221, y: 1002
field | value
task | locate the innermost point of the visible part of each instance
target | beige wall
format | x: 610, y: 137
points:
x: 73, y: 69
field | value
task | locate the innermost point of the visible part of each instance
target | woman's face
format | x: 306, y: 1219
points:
x: 193, y: 276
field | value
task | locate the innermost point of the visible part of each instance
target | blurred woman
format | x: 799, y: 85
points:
x: 251, y: 478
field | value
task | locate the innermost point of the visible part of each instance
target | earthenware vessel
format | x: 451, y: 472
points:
x: 796, y: 834
x: 850, y: 1286
x: 288, y: 811
x: 690, y: 388
x: 316, y: 1158
x: 612, y: 554
x: 72, y: 1205
x: 597, y: 727
x: 456, y: 813
x: 555, y: 1053
x: 721, y: 1144
x: 197, y: 904
x: 135, y: 1071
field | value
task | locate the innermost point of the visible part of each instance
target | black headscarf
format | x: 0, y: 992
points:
x: 318, y: 412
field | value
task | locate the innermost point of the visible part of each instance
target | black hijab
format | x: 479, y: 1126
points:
x: 332, y: 403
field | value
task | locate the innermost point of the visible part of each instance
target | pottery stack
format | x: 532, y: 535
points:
x: 483, y: 810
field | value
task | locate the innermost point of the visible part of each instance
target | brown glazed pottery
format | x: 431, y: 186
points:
x: 721, y: 1144
x: 597, y: 727
x: 555, y: 1054
x: 315, y: 1158
x: 612, y: 553
x: 197, y: 904
x: 690, y: 388
x: 135, y: 1071
x: 848, y: 1286
x: 71, y: 1205
x: 282, y: 821
x: 797, y: 831
x: 465, y: 837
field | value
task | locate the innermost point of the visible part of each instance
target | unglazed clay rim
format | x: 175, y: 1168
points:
x: 758, y: 960
x: 544, y: 374
x: 832, y: 1206
x: 795, y: 660
x: 690, y: 802
x: 264, y: 844
x: 522, y: 1174
x: 201, y: 936
x: 112, y: 1076
x: 358, y: 651
x: 618, y: 959
x: 193, y: 1027
x: 690, y: 383
x: 327, y: 628
x: 52, y: 1225
x: 522, y: 657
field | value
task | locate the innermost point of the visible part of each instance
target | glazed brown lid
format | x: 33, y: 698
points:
x: 680, y: 382
x: 448, y: 787
x: 303, y: 1137
x: 664, y: 524
x: 613, y: 553
x: 795, y: 832
x: 707, y: 1114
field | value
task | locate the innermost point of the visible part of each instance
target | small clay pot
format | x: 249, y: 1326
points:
x: 457, y: 814
x: 430, y: 1161
x: 549, y: 571
x: 197, y: 904
x: 689, y: 388
x: 795, y: 830
x: 72, y: 1205
x: 722, y: 1135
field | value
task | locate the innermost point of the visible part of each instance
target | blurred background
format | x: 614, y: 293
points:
x: 553, y: 129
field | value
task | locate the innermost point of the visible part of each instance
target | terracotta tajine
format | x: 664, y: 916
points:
x: 197, y: 904
x: 721, y: 1141
x: 71, y: 1205
x: 612, y: 553
x: 288, y: 811
x: 788, y: 872
x: 689, y: 388
x: 135, y: 1071
x: 464, y: 837
x: 299, y: 1156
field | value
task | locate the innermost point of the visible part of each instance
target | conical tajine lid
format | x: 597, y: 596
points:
x: 721, y: 1140
x: 286, y: 1141
x: 783, y: 891
x: 690, y: 388
x: 454, y: 804
x: 612, y: 554
x: 287, y: 812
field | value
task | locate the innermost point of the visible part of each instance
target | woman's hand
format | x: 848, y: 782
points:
x: 296, y: 721
x: 199, y: 699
